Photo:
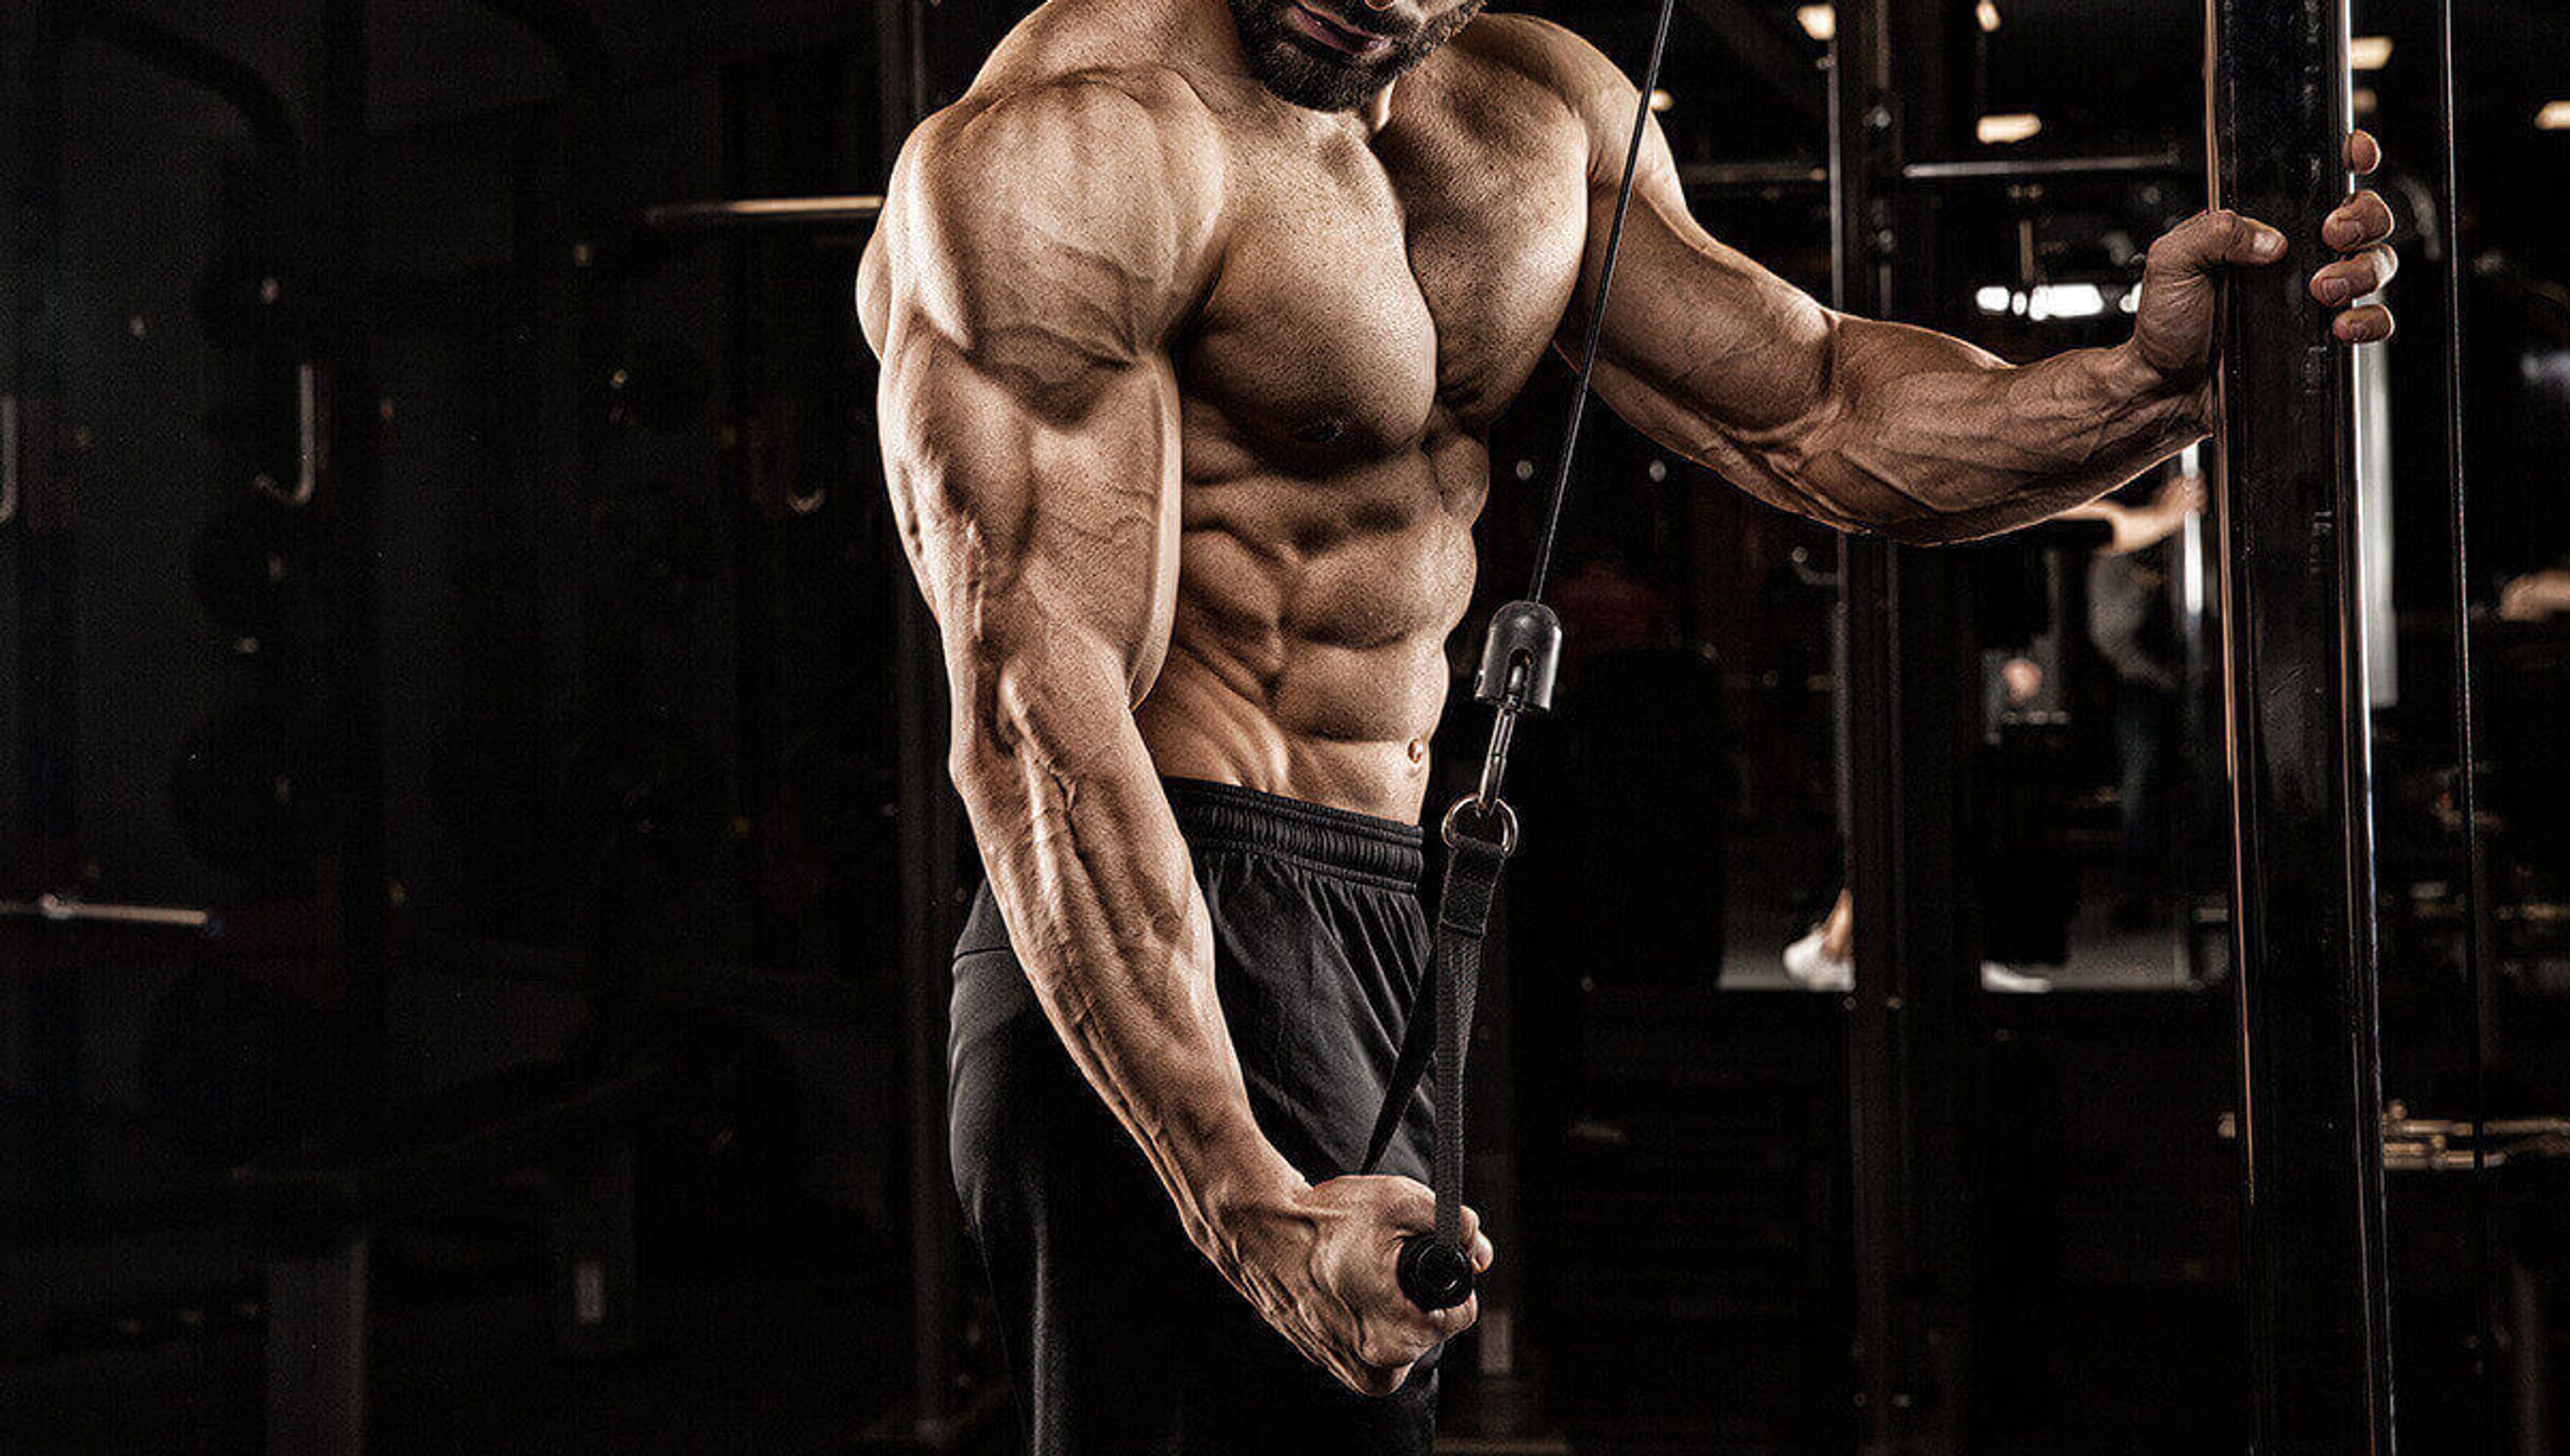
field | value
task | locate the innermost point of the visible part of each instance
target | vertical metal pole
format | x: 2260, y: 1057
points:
x: 32, y: 39
x: 1504, y: 1402
x: 1859, y: 80
x: 2194, y: 791
x: 2296, y: 705
x: 1861, y: 164
x: 317, y: 1304
x: 345, y: 449
x: 931, y: 844
x: 2478, y: 928
x: 1914, y: 1040
x: 930, y: 835
x: 2530, y: 1363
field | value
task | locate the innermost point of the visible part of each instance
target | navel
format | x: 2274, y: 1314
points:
x: 1322, y: 432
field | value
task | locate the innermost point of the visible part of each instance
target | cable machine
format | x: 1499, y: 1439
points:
x: 2298, y: 735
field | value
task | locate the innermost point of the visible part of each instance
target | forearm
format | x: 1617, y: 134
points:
x: 1928, y: 439
x: 1901, y: 431
x: 1104, y: 909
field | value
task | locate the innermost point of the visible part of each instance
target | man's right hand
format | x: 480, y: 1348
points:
x: 1319, y: 1266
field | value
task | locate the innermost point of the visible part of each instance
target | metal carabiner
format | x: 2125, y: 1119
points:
x: 1497, y: 811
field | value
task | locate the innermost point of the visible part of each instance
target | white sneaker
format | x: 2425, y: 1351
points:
x: 1813, y: 970
x: 1998, y: 979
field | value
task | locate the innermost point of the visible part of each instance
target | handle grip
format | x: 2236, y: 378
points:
x: 1434, y: 1276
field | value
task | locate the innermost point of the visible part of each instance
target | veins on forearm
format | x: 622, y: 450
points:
x: 1960, y: 448
x: 1112, y: 950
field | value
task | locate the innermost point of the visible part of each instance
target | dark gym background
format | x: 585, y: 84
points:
x: 412, y: 487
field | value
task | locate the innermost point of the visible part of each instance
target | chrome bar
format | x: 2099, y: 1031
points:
x: 70, y: 910
x: 1752, y: 174
x: 2023, y: 168
x: 763, y: 211
x: 2455, y: 1145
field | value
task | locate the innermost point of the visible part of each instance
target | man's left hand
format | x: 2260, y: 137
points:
x: 2174, y: 324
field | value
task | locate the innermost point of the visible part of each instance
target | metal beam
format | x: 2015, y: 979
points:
x: 2026, y: 169
x: 2297, y: 714
x: 733, y: 214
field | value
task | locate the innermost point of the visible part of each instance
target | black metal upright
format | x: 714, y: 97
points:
x: 36, y: 501
x: 344, y: 445
x: 932, y: 845
x: 1910, y: 728
x: 2295, y: 707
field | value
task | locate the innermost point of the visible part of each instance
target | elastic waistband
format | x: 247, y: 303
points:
x: 1228, y: 817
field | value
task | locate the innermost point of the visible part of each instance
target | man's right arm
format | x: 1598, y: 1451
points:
x: 1035, y: 259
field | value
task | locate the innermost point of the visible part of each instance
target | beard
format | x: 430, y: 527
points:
x: 1287, y: 64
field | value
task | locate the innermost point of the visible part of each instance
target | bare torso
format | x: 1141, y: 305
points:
x: 1185, y: 402
x: 1383, y: 286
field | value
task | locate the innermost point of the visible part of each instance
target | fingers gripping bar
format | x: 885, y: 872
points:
x: 1434, y: 1276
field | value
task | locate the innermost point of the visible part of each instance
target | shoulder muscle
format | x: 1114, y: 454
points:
x: 1575, y: 73
x: 1060, y: 227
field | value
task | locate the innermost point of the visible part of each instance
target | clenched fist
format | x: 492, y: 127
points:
x: 2173, y: 327
x: 1318, y: 1265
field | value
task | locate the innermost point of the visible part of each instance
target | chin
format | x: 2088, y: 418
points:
x: 1319, y: 79
x: 1317, y: 82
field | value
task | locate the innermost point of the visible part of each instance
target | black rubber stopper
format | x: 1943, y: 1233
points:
x: 1434, y: 1276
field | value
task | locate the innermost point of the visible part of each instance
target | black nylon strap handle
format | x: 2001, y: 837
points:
x: 1436, y: 1269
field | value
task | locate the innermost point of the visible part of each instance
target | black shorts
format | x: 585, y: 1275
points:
x: 1122, y: 1337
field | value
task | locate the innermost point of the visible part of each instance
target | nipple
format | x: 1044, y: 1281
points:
x: 1418, y: 752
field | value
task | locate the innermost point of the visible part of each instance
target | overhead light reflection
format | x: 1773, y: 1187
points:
x: 2065, y: 300
x: 2054, y: 300
x: 2005, y: 127
x: 1819, y: 22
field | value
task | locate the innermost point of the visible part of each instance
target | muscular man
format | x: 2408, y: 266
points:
x: 1194, y: 316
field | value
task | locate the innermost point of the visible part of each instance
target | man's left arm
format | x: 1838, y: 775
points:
x: 1902, y: 431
